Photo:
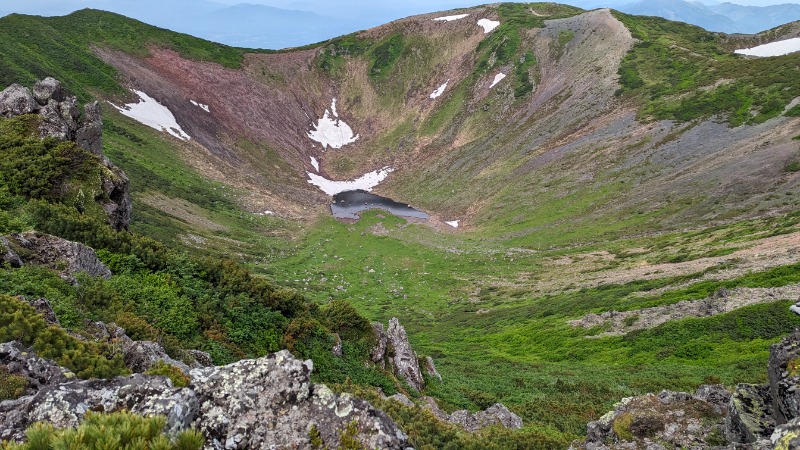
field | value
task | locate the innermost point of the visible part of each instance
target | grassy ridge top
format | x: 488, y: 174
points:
x: 35, y: 47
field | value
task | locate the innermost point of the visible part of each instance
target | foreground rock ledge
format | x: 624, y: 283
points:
x: 262, y: 403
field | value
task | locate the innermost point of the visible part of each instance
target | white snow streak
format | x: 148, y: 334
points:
x: 497, y: 78
x: 440, y: 90
x: 153, y: 114
x: 315, y: 163
x: 365, y: 182
x: 488, y: 25
x: 776, y: 48
x: 452, y: 223
x: 202, y: 106
x: 332, y: 131
x: 451, y: 18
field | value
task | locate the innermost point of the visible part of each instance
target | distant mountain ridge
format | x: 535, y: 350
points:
x: 724, y: 17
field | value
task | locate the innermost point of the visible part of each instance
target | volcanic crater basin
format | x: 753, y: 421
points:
x: 348, y: 205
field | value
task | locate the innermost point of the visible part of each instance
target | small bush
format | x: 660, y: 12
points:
x: 178, y: 378
x: 11, y: 386
x: 119, y: 431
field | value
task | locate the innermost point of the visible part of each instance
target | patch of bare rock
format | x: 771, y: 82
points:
x: 750, y: 417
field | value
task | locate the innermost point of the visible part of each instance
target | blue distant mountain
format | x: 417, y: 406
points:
x: 724, y: 17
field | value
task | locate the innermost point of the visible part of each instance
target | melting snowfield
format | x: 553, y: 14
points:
x: 452, y: 223
x: 153, y: 114
x: 315, y: 163
x: 451, y: 18
x: 776, y: 48
x: 497, y: 78
x: 332, y: 131
x: 488, y: 25
x: 440, y: 90
x: 365, y: 182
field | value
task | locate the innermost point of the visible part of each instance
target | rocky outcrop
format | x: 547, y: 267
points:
x: 8, y: 255
x: 750, y: 414
x: 404, y: 359
x: 43, y: 307
x: 496, y: 414
x: 68, y: 257
x: 62, y: 119
x: 379, y: 351
x: 430, y: 368
x: 17, y: 100
x: 752, y: 417
x: 252, y: 404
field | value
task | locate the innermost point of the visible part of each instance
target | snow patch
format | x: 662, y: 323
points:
x: 202, y: 106
x: 488, y: 25
x: 440, y: 90
x: 315, y: 163
x: 497, y: 78
x: 153, y: 114
x: 332, y: 131
x: 795, y: 309
x: 452, y: 223
x: 365, y: 182
x: 451, y: 18
x: 776, y: 48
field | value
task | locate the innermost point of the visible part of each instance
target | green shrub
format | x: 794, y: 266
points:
x: 178, y: 378
x: 11, y: 386
x: 622, y: 426
x: 20, y: 322
x: 118, y: 431
x: 340, y: 317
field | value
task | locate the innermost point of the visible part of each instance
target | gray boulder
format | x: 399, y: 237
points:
x: 270, y: 403
x: 43, y: 307
x: 141, y: 356
x: 404, y: 358
x: 784, y: 378
x: 750, y: 414
x: 68, y: 257
x: 201, y: 358
x: 379, y: 351
x: 48, y: 89
x: 53, y: 124
x: 17, y: 100
x: 116, y: 198
x: 716, y: 395
x: 787, y: 435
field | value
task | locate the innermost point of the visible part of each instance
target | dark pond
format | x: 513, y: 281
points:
x: 349, y: 204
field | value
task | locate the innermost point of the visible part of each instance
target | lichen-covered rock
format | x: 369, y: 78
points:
x: 270, y: 403
x: 53, y: 124
x: 404, y: 358
x: 64, y: 404
x: 402, y: 399
x: 68, y: 257
x: 38, y: 371
x: 48, y: 89
x: 784, y: 378
x: 17, y: 100
x: 750, y: 414
x: 715, y: 394
x: 201, y: 358
x: 787, y: 436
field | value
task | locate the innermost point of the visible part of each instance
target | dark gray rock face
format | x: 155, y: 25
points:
x: 116, y: 199
x: 784, y: 378
x: 496, y: 414
x: 379, y: 351
x: 252, y: 404
x: 69, y: 257
x: 17, y: 100
x: 750, y: 414
x: 8, y: 255
x: 404, y: 358
x: 90, y: 134
x: 141, y: 356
